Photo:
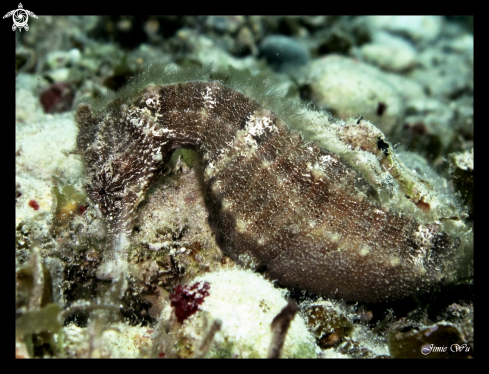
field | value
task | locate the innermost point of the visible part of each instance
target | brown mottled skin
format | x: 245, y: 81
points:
x: 274, y: 200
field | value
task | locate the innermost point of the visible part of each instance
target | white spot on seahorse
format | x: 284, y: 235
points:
x: 327, y: 158
x: 209, y: 100
x: 424, y: 235
x: 152, y: 102
x: 256, y: 125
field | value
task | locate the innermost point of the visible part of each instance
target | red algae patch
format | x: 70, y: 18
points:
x: 34, y: 204
x: 186, y: 299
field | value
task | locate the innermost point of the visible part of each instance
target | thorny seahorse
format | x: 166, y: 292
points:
x: 274, y: 200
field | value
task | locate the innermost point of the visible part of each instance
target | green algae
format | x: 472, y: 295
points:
x: 67, y: 200
x: 36, y: 321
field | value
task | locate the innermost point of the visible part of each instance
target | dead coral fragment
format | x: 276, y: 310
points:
x: 280, y: 325
x: 328, y: 323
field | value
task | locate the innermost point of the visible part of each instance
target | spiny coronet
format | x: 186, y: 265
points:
x: 311, y: 218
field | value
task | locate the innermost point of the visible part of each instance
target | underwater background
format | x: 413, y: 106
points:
x: 410, y: 76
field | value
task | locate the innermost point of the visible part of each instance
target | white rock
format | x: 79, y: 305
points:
x: 246, y: 304
x: 40, y: 148
x: 349, y: 87
x: 389, y: 52
x: 416, y: 27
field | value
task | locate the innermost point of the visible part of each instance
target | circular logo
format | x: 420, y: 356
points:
x: 20, y: 17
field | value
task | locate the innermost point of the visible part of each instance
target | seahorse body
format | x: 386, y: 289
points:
x: 274, y: 200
